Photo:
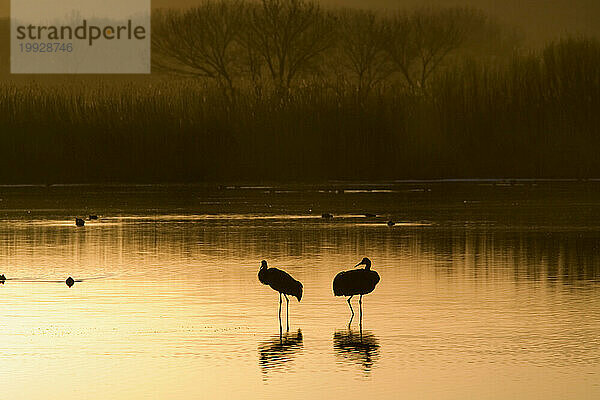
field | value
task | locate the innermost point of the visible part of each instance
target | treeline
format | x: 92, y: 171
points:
x: 275, y: 45
x: 535, y: 116
x: 475, y: 114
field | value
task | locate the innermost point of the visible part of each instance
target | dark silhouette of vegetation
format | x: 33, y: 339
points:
x: 417, y: 43
x: 285, y: 90
x: 202, y: 41
x: 287, y: 35
x: 362, y: 47
x: 276, y: 42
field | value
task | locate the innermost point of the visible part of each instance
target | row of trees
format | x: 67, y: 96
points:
x: 533, y: 116
x: 241, y: 44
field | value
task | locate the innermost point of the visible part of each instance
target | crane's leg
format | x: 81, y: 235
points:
x: 351, y: 310
x: 280, y: 313
x: 287, y: 313
x: 360, y: 306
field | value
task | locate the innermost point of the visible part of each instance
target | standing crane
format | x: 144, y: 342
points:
x: 281, y: 282
x: 356, y: 282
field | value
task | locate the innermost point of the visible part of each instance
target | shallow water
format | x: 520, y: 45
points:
x: 489, y: 290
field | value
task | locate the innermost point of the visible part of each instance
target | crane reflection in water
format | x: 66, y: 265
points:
x: 361, y: 348
x: 275, y: 353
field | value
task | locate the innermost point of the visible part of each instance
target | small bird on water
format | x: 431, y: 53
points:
x: 356, y: 282
x: 70, y: 281
x: 2, y: 279
x: 79, y: 222
x: 281, y: 282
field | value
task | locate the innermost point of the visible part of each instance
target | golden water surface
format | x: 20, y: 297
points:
x: 488, y: 291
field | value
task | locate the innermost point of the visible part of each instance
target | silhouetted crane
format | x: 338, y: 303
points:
x: 283, y: 283
x: 356, y: 281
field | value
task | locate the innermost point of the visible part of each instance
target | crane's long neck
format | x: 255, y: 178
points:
x: 262, y: 275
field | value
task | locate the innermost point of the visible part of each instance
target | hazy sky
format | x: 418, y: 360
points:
x: 541, y: 18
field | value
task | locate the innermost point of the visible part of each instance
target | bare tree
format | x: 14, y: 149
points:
x: 202, y: 41
x: 362, y: 37
x: 420, y: 41
x: 287, y: 35
x: 437, y: 34
x: 401, y: 46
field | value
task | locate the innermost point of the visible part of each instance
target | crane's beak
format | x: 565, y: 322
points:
x: 360, y: 263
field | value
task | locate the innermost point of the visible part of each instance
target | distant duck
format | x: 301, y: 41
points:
x: 79, y: 222
x: 2, y: 279
x: 93, y: 217
x: 370, y: 215
x: 281, y: 282
x: 391, y: 223
x: 327, y: 216
x: 70, y: 281
x: 356, y: 282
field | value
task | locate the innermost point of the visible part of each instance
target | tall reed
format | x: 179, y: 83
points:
x: 532, y: 116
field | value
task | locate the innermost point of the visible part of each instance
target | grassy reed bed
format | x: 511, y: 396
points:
x: 535, y: 116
